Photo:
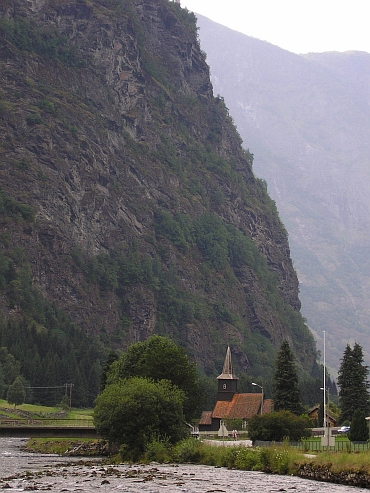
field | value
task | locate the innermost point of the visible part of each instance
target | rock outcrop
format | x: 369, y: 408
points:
x: 147, y: 214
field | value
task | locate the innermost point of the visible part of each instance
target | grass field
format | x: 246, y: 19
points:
x: 45, y: 414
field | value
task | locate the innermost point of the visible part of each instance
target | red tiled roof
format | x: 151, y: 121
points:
x: 241, y: 406
x: 206, y: 418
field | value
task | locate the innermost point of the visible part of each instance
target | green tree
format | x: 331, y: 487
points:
x: 286, y: 391
x: 111, y: 358
x: 16, y: 392
x: 2, y: 382
x: 135, y: 411
x: 320, y: 415
x: 11, y: 367
x: 359, y: 431
x: 278, y: 426
x: 158, y: 358
x: 353, y: 383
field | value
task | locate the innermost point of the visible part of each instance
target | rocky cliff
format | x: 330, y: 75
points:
x: 127, y: 197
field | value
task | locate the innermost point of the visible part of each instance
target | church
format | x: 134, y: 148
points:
x: 230, y: 404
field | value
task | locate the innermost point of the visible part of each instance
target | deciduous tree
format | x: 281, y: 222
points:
x: 135, y: 411
x: 158, y: 358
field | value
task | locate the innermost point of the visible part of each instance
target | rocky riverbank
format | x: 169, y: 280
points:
x: 350, y: 476
x: 68, y: 447
x: 324, y: 472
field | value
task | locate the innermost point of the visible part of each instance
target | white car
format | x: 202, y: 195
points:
x: 343, y: 430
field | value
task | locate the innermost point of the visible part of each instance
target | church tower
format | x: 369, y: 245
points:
x: 227, y: 381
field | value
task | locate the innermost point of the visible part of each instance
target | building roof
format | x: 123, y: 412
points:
x: 227, y: 371
x: 241, y: 406
x: 314, y: 412
x: 268, y: 406
x: 206, y: 418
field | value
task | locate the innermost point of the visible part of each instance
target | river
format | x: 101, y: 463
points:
x: 22, y: 471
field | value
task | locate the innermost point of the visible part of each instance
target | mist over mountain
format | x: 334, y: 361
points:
x: 306, y: 118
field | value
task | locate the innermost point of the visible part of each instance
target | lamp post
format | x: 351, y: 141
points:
x: 368, y: 420
x: 257, y: 385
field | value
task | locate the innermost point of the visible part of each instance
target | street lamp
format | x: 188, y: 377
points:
x: 257, y: 385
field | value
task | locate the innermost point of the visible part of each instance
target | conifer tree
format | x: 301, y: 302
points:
x: 111, y: 358
x: 2, y: 382
x: 286, y: 392
x: 16, y: 392
x: 359, y: 431
x: 353, y: 383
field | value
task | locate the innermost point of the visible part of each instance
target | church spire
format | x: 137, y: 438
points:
x: 227, y: 381
x: 227, y: 371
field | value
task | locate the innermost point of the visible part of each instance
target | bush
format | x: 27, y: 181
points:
x: 188, y: 450
x: 248, y: 459
x: 33, y: 119
x: 159, y: 451
x: 279, y: 426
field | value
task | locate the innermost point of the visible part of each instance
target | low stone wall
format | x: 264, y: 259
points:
x: 228, y: 443
x: 323, y: 472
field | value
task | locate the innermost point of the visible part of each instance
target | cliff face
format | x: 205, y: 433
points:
x: 147, y: 215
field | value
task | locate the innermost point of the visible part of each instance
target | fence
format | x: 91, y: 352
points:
x: 316, y: 446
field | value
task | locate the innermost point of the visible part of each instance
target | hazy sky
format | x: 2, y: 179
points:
x: 299, y: 26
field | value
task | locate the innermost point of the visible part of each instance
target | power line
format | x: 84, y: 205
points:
x: 56, y: 387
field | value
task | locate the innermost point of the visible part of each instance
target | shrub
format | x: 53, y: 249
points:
x: 279, y: 426
x: 248, y: 459
x: 159, y: 451
x: 188, y: 450
x: 33, y: 119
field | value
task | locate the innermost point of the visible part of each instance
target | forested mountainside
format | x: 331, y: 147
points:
x: 307, y: 120
x: 128, y: 205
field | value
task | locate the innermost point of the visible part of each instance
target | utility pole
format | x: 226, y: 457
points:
x: 324, y: 387
x: 70, y: 395
x: 327, y: 440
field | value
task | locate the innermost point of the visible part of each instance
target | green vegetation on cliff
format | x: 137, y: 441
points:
x: 128, y: 204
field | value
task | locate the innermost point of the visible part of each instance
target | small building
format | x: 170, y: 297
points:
x: 230, y: 404
x: 313, y: 414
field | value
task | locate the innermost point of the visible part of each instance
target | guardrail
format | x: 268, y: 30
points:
x: 47, y: 422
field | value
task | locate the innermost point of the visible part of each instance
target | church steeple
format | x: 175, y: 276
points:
x: 227, y: 381
x: 227, y: 371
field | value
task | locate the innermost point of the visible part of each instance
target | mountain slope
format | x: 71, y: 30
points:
x: 138, y: 211
x: 307, y: 120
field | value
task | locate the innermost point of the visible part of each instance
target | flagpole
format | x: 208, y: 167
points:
x: 324, y: 387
